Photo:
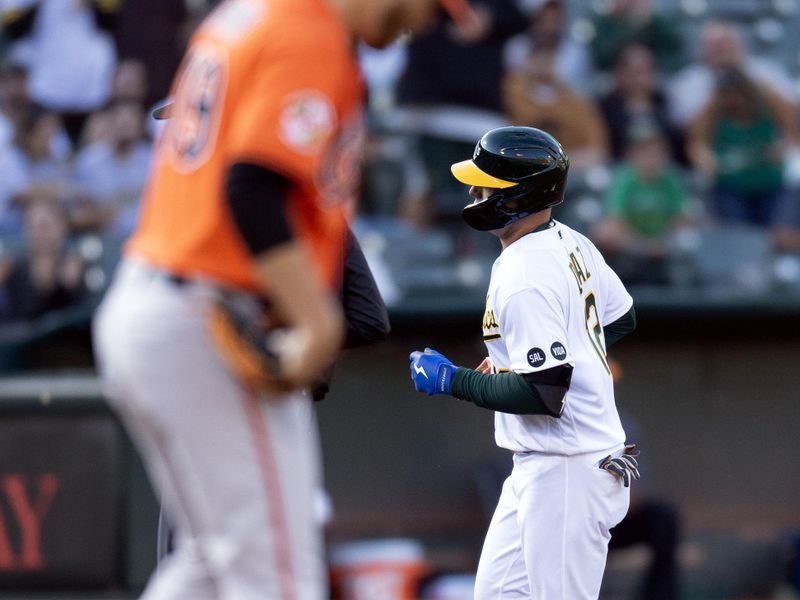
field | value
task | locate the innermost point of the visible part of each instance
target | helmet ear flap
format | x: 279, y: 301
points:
x: 489, y: 214
x: 494, y: 212
x: 483, y: 215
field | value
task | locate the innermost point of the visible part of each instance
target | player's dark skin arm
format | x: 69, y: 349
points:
x: 539, y: 393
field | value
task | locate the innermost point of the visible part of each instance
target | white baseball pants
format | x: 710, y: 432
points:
x: 236, y: 473
x: 548, y: 538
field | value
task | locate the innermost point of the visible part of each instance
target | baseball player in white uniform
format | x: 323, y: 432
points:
x: 552, y: 308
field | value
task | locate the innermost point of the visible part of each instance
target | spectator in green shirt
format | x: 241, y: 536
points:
x: 644, y: 205
x: 738, y: 141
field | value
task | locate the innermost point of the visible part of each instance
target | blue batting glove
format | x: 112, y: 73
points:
x: 431, y: 372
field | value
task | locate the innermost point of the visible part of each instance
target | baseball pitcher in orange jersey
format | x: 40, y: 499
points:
x: 253, y: 181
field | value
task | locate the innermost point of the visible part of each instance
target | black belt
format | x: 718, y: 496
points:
x: 171, y: 278
x: 180, y: 281
x: 176, y: 280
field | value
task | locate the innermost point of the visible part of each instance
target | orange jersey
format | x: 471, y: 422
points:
x: 271, y: 82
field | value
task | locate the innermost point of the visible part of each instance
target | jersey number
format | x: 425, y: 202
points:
x: 196, y: 111
x: 593, y: 328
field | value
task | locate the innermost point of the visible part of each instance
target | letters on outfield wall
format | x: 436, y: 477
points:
x: 60, y: 490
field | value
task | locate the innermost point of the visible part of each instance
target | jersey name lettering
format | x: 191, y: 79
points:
x: 578, y: 267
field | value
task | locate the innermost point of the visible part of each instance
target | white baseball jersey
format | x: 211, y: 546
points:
x: 551, y: 293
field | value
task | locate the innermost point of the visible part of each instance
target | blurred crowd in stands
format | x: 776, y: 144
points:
x: 77, y: 80
x: 680, y: 118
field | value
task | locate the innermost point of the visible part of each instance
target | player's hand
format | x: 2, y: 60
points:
x: 485, y: 367
x: 625, y: 466
x: 431, y: 372
x: 312, y: 320
x: 476, y: 27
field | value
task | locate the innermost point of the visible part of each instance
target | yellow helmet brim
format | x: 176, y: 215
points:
x: 467, y: 172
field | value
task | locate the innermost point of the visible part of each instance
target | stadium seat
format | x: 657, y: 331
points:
x: 734, y: 257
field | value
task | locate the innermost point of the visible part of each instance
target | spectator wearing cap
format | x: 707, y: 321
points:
x: 644, y: 206
x: 738, y: 141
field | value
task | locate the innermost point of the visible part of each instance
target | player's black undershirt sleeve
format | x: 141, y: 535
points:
x: 365, y: 313
x: 617, y: 330
x: 366, y: 319
x: 539, y: 393
x: 257, y: 200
